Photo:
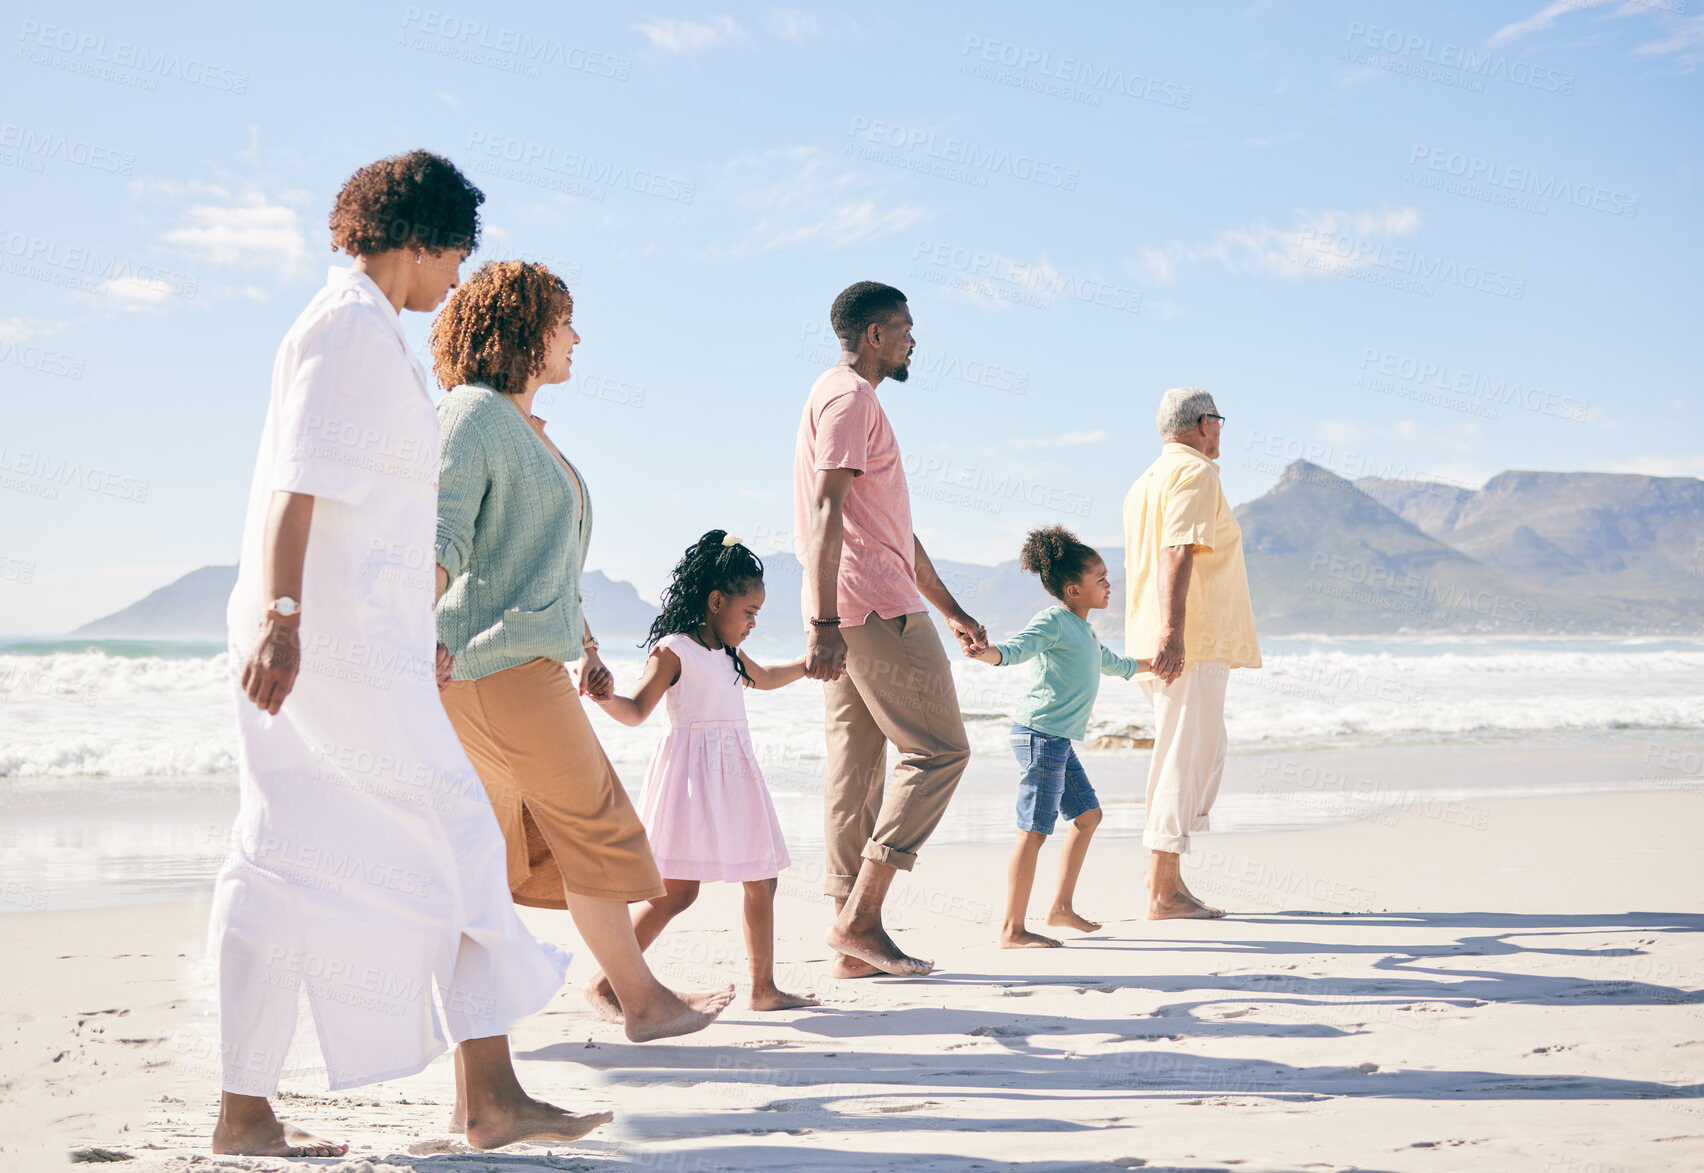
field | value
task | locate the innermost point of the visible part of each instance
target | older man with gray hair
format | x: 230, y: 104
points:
x: 1187, y: 606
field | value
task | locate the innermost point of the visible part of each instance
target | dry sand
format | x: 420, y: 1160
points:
x: 1510, y: 986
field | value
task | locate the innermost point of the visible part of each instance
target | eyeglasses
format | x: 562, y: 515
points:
x: 1212, y: 415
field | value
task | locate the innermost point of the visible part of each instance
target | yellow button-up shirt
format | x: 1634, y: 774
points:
x: 1178, y: 502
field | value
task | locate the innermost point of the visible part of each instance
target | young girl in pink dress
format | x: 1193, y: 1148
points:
x: 706, y: 808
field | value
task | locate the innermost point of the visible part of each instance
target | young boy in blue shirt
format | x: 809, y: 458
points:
x: 1054, y: 713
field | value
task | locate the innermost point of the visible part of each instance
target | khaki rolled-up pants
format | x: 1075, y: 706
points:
x: 1189, y: 754
x: 898, y: 687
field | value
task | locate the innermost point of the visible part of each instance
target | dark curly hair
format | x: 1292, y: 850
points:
x: 418, y: 200
x: 495, y: 328
x: 708, y: 565
x: 859, y: 305
x: 1057, y: 557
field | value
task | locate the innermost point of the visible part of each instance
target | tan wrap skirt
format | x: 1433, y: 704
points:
x: 567, y: 821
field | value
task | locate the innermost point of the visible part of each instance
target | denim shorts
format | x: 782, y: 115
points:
x: 1053, y: 782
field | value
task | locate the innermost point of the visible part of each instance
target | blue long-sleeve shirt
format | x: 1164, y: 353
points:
x: 1071, y: 661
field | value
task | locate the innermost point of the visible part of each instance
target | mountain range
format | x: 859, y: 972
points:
x: 1529, y: 553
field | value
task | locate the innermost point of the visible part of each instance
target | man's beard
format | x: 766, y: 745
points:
x: 901, y: 372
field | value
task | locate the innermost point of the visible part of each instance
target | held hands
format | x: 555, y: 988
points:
x: 596, y: 681
x: 1167, y: 663
x: 271, y: 670
x: 972, y: 636
x: 445, y: 664
x: 825, y: 654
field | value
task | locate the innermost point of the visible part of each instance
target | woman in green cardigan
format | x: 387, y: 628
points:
x: 514, y: 521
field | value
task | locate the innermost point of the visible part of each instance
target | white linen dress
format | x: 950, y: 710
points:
x: 366, y: 868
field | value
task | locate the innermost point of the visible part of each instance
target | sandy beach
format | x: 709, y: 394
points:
x: 1519, y: 989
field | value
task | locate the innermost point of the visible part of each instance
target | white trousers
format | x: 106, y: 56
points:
x: 1189, y: 754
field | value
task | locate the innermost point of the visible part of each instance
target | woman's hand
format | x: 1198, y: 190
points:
x: 446, y: 663
x: 271, y: 670
x: 596, y: 681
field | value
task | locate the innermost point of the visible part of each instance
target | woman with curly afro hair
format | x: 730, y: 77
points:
x: 346, y: 760
x: 514, y: 521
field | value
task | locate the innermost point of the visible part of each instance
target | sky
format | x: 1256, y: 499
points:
x: 1422, y: 241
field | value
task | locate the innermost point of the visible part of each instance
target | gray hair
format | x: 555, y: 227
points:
x: 1181, y: 409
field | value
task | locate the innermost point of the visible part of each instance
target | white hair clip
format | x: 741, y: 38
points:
x: 731, y: 540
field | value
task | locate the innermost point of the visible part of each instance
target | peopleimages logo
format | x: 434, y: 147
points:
x: 100, y: 50
x: 1469, y: 68
x: 1473, y: 385
x: 1474, y: 169
x: 43, y: 147
x: 573, y: 166
x: 1345, y: 255
x: 965, y: 153
x: 87, y: 268
x: 512, y: 50
x: 1072, y: 71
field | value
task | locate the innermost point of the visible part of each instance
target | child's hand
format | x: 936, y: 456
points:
x: 988, y: 655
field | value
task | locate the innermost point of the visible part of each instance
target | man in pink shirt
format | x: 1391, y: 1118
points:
x: 871, y: 640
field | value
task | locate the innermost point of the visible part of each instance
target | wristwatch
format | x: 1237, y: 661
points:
x: 284, y: 607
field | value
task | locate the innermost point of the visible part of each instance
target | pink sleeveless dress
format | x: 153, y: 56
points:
x: 705, y: 806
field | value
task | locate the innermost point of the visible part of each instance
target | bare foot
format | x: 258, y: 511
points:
x: 532, y: 1120
x: 876, y: 948
x: 1184, y: 888
x: 1188, y: 896
x: 602, y: 999
x: 1179, y: 906
x: 272, y: 1138
x: 851, y: 967
x: 774, y: 999
x: 1024, y: 939
x: 678, y: 1014
x: 1068, y: 918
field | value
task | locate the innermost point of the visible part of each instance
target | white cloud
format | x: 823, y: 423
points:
x: 1541, y: 20
x: 16, y: 331
x: 1682, y: 39
x: 800, y: 196
x: 1685, y: 42
x: 1327, y: 239
x: 137, y: 293
x: 794, y: 24
x: 687, y: 36
x: 253, y: 235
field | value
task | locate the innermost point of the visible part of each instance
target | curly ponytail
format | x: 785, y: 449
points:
x: 1057, y: 557
x: 709, y: 564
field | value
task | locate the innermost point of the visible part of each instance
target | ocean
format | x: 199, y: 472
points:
x: 118, y: 757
